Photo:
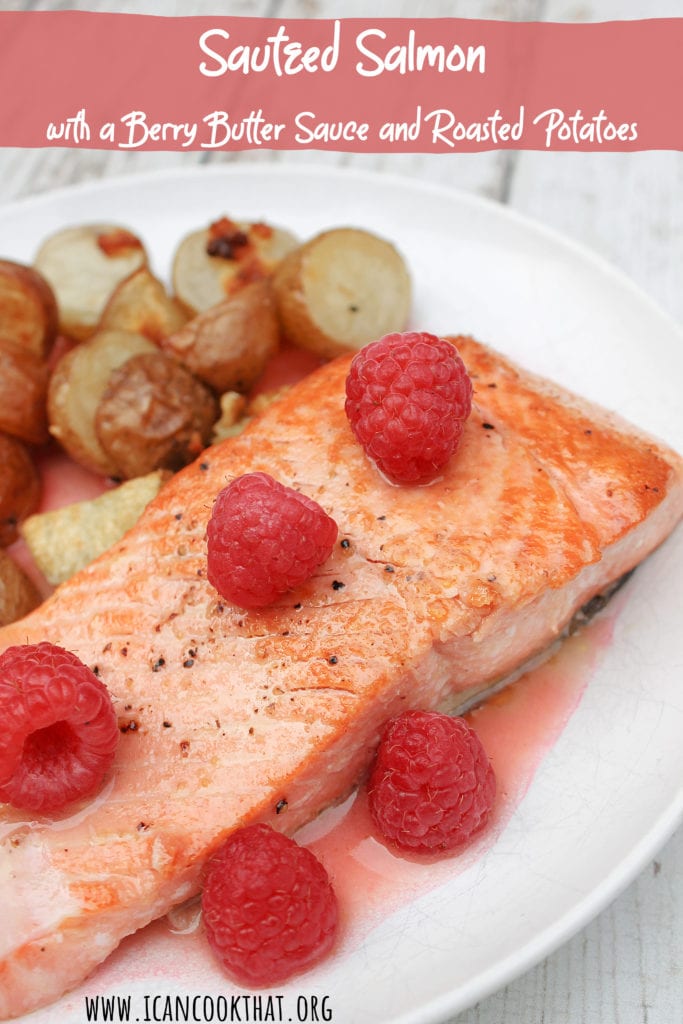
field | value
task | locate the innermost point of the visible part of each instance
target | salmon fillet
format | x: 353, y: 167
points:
x: 229, y: 717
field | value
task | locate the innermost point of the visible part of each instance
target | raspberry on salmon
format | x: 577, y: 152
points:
x: 265, y: 539
x: 59, y: 731
x: 268, y: 905
x: 407, y: 399
x: 432, y: 786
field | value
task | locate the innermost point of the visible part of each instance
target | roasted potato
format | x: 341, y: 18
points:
x: 229, y: 345
x: 23, y: 393
x: 18, y: 595
x: 141, y: 304
x: 86, y: 528
x: 76, y: 387
x: 28, y: 309
x: 19, y: 487
x: 219, y: 260
x: 342, y: 289
x: 84, y: 265
x: 154, y: 414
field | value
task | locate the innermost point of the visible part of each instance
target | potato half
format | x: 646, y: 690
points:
x: 141, y: 304
x: 23, y: 393
x: 19, y: 487
x: 18, y: 595
x: 76, y: 387
x: 229, y: 345
x: 342, y: 289
x: 219, y: 260
x: 28, y: 309
x: 84, y: 265
x: 154, y: 414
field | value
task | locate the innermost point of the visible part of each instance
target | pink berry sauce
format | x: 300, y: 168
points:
x: 518, y: 728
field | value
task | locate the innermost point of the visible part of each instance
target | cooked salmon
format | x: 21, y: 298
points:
x: 229, y: 717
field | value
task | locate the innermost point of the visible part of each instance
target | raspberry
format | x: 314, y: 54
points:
x: 59, y: 729
x: 407, y: 399
x: 265, y: 539
x: 269, y: 908
x: 432, y: 786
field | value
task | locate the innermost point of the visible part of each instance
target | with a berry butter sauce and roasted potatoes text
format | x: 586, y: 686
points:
x: 265, y: 548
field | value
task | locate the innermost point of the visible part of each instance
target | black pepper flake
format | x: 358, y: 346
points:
x: 389, y: 568
x: 333, y: 659
x: 96, y: 671
x: 345, y: 543
x: 184, y: 748
x: 131, y: 726
x: 179, y: 516
x: 128, y: 707
x: 166, y: 724
x: 192, y: 652
x: 353, y: 308
x: 381, y: 518
x: 280, y: 806
x: 298, y: 605
x: 588, y: 431
x: 158, y: 664
x: 142, y: 826
x: 338, y: 585
x: 124, y: 652
x: 491, y: 577
x: 488, y: 426
x: 204, y: 466
x: 492, y: 385
x: 188, y: 663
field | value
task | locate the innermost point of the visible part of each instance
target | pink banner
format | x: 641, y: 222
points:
x: 115, y: 81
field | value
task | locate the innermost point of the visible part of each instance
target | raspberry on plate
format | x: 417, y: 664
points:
x: 268, y: 905
x: 59, y: 729
x: 432, y: 786
x: 407, y: 399
x: 265, y: 539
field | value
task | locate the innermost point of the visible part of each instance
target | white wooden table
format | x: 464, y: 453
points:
x: 626, y: 967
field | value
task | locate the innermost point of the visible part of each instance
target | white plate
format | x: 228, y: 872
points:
x: 609, y: 793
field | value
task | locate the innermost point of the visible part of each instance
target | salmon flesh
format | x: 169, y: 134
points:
x: 228, y: 717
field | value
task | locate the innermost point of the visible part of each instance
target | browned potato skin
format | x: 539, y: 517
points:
x: 18, y: 595
x: 229, y: 345
x: 23, y: 392
x: 141, y: 304
x: 76, y: 387
x: 154, y: 415
x: 28, y: 309
x: 19, y: 487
